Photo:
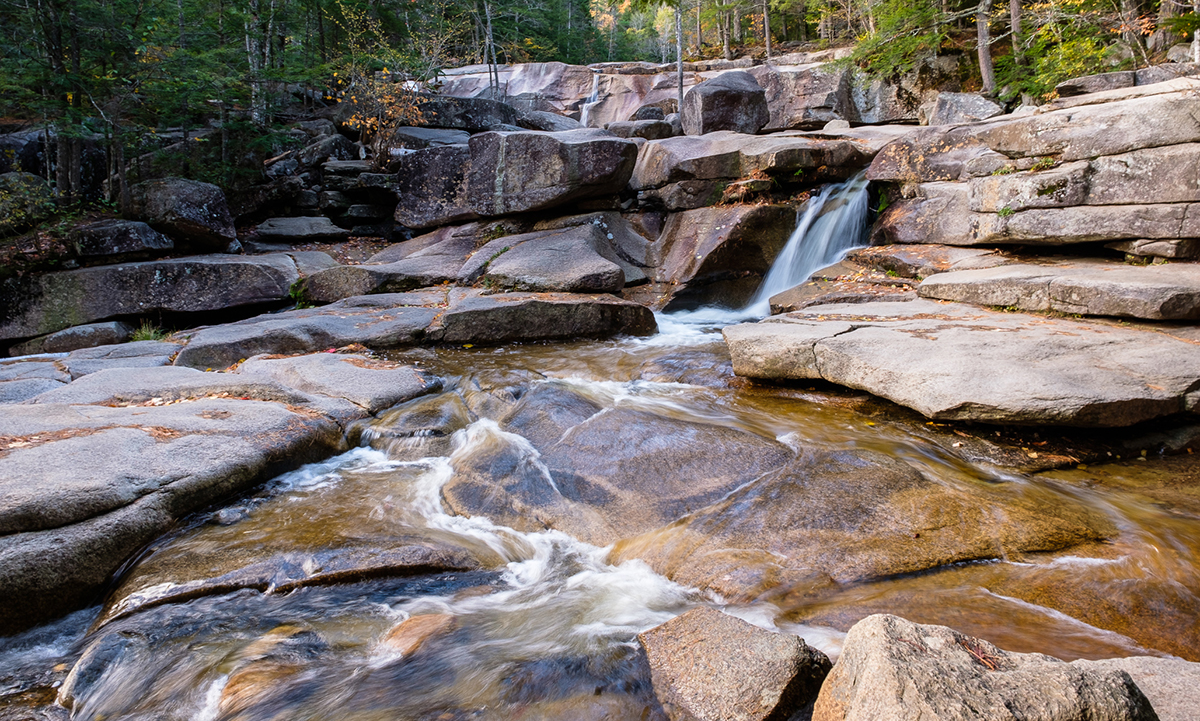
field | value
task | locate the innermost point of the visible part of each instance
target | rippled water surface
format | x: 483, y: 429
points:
x: 349, y: 590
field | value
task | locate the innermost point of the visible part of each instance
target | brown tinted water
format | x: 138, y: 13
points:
x: 296, y: 602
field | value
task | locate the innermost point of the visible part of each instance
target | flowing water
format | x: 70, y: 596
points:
x: 591, y: 101
x: 492, y: 551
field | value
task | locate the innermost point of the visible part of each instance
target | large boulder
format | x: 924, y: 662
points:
x: 105, y: 238
x: 709, y: 666
x: 54, y: 301
x: 565, y: 260
x: 691, y: 172
x: 720, y: 254
x: 954, y: 108
x: 510, y: 172
x: 1096, y: 83
x: 967, y: 363
x: 731, y: 101
x: 420, y: 268
x: 94, y: 484
x: 518, y: 172
x: 433, y: 186
x: 804, y: 97
x: 185, y: 210
x: 473, y: 115
x: 300, y: 230
x: 81, y: 336
x: 395, y: 320
x: 547, y: 122
x: 331, y: 147
x: 893, y: 669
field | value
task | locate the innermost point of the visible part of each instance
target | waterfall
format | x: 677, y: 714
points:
x: 591, y: 101
x: 829, y: 226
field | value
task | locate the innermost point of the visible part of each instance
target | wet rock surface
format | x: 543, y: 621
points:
x: 110, y: 480
x: 708, y: 666
x: 931, y: 357
x: 846, y: 517
x: 891, y: 668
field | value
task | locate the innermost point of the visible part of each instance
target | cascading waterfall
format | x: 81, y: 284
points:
x: 591, y: 101
x: 829, y: 226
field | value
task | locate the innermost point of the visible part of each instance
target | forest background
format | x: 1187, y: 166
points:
x: 221, y: 79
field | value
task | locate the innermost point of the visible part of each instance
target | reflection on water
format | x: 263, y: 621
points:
x: 346, y: 590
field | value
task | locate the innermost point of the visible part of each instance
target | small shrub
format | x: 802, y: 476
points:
x: 1005, y: 212
x: 146, y: 331
x: 1042, y: 164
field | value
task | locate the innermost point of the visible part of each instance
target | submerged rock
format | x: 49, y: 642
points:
x: 891, y: 668
x: 709, y: 666
x: 601, y: 474
x: 845, y: 517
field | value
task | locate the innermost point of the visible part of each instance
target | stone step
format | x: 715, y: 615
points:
x: 1087, y: 287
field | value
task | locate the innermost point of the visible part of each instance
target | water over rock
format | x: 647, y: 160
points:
x: 891, y: 668
x: 848, y: 516
x: 589, y: 472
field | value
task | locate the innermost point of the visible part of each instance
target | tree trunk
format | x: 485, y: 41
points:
x: 679, y: 50
x: 983, y: 16
x: 766, y: 8
x: 1014, y: 13
x: 699, y: 31
x: 723, y: 27
x: 1196, y: 34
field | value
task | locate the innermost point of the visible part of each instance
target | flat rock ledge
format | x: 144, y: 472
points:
x: 394, y: 320
x: 1087, y: 287
x: 954, y: 362
x: 93, y: 470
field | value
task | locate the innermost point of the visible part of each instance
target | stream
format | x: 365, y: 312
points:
x: 455, y: 570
